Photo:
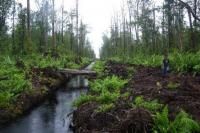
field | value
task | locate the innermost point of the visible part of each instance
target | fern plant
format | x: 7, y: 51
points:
x: 150, y: 105
x: 183, y: 123
x: 111, y: 84
x: 104, y: 108
x: 107, y: 97
x: 83, y: 99
x: 107, y: 91
x: 98, y: 66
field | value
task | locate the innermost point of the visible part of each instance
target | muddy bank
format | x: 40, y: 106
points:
x: 177, y: 91
x: 45, y: 82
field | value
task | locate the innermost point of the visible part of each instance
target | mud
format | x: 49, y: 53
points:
x: 149, y: 83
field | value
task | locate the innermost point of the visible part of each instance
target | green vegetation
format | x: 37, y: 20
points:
x: 13, y: 82
x: 107, y: 97
x: 98, y: 66
x: 150, y: 105
x: 106, y: 92
x: 182, y: 123
x: 16, y: 74
x: 83, y: 99
x: 179, y: 61
x: 111, y: 84
x: 173, y: 86
x: 104, y: 108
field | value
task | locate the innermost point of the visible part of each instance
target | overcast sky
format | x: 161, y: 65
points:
x: 95, y: 13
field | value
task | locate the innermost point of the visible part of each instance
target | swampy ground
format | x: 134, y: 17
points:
x: 176, y: 91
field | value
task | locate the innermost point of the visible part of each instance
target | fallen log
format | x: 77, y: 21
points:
x: 77, y: 72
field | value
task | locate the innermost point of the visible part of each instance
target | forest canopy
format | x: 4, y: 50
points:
x: 142, y: 26
x: 24, y: 31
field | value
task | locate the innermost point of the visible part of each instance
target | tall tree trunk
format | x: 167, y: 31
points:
x: 77, y: 25
x: 136, y: 25
x: 154, y: 30
x: 53, y: 26
x: 71, y: 32
x: 13, y: 27
x: 124, y: 36
x: 192, y: 41
x: 62, y: 23
x: 170, y: 34
x: 28, y: 27
x: 195, y: 23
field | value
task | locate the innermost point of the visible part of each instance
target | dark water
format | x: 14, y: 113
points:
x: 51, y: 116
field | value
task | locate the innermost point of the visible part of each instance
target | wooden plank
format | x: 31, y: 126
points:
x: 77, y: 72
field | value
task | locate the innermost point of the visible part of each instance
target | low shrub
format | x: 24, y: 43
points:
x: 106, y: 91
x: 150, y: 105
x: 104, y: 108
x: 183, y: 123
x: 98, y: 66
x: 111, y: 84
x: 83, y: 99
x: 173, y: 86
x: 107, y: 97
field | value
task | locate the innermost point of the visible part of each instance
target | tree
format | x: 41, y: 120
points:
x: 13, y: 27
x: 4, y: 9
x: 20, y: 31
x: 77, y: 25
x: 28, y: 43
x: 53, y: 26
x: 42, y: 21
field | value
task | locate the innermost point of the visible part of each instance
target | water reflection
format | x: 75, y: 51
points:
x: 48, y: 118
x: 51, y: 117
x: 78, y: 82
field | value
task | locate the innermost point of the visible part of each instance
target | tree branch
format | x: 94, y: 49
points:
x: 184, y: 4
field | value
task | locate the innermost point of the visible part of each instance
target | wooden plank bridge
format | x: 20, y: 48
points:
x: 75, y: 72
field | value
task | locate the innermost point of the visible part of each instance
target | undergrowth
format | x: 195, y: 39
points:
x: 105, y: 92
x: 111, y: 84
x: 150, y: 105
x: 173, y: 86
x: 13, y: 82
x: 179, y: 61
x: 98, y: 66
x: 183, y: 123
x: 15, y: 74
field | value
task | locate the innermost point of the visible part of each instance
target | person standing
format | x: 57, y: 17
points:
x: 165, y: 65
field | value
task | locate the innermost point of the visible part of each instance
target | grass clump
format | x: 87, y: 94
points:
x: 111, y: 84
x: 105, y: 91
x: 108, y: 97
x: 104, y: 108
x: 98, y: 66
x: 83, y: 99
x: 5, y: 99
x: 183, y: 123
x: 173, y: 86
x: 126, y: 95
x: 13, y: 82
x: 16, y: 74
x: 150, y: 105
